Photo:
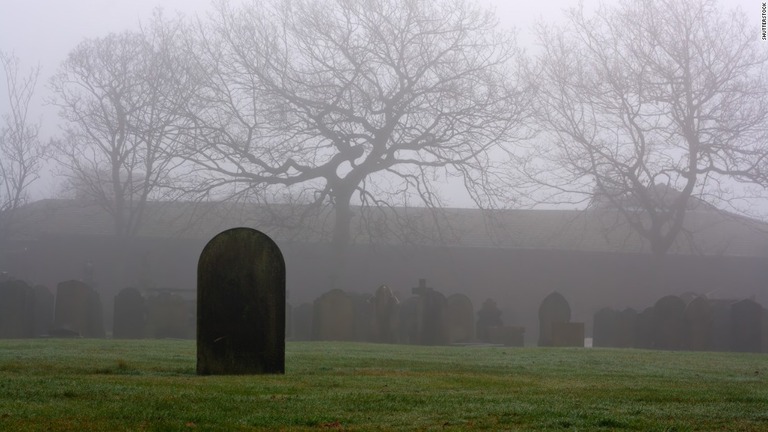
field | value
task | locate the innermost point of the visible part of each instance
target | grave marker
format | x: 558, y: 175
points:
x: 554, y: 309
x: 129, y: 319
x: 241, y: 305
x: 17, y: 310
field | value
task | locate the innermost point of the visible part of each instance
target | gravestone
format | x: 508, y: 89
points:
x: 626, y: 328
x: 363, y: 317
x: 554, y: 309
x: 432, y: 304
x: 699, y: 323
x: 44, y: 303
x: 644, y: 328
x: 460, y: 319
x: 669, y: 323
x: 17, y: 310
x: 333, y: 317
x: 130, y: 315
x: 746, y: 326
x: 385, y: 305
x: 77, y: 311
x: 605, y: 328
x: 721, y: 324
x: 168, y: 316
x: 241, y: 305
x: 302, y: 322
x: 567, y: 334
x: 409, y: 321
x: 488, y: 317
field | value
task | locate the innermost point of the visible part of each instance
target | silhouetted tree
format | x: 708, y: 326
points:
x: 342, y: 102
x: 647, y: 106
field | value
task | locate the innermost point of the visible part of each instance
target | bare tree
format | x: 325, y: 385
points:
x: 649, y: 107
x: 122, y: 98
x: 342, y: 102
x: 21, y: 152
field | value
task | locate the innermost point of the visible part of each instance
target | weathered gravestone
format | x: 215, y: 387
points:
x: 17, y: 310
x: 644, y: 328
x: 44, y: 303
x: 241, y: 305
x: 385, y: 305
x: 669, y: 323
x: 488, y: 317
x: 302, y: 322
x: 554, y: 309
x: 567, y: 334
x: 168, y: 316
x: 626, y: 328
x: 364, y: 317
x: 409, y: 321
x: 333, y: 317
x: 699, y: 324
x: 130, y: 315
x: 460, y: 319
x: 605, y: 328
x: 77, y: 311
x: 746, y: 326
x: 432, y: 304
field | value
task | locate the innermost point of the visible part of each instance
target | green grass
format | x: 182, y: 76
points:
x: 105, y: 385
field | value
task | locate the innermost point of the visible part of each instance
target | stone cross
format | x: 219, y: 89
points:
x: 422, y: 289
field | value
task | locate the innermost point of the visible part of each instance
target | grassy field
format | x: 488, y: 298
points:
x: 106, y: 385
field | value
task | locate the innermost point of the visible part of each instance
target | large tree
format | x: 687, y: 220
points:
x: 21, y: 152
x: 648, y: 107
x: 121, y: 97
x: 337, y: 102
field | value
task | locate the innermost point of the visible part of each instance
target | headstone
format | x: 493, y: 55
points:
x: 669, y: 323
x: 699, y: 324
x: 506, y: 335
x: 432, y: 305
x: 168, y: 316
x: 78, y: 311
x: 17, y: 310
x: 385, y: 305
x: 746, y: 326
x: 721, y: 324
x: 409, y: 321
x: 567, y: 334
x: 302, y: 322
x: 44, y: 303
x: 644, y: 329
x: 241, y: 305
x: 554, y: 309
x: 605, y: 328
x: 460, y: 319
x: 363, y: 317
x: 488, y: 317
x: 130, y: 315
x: 626, y: 328
x: 334, y: 317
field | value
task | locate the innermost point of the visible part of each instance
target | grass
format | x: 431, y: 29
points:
x: 106, y: 385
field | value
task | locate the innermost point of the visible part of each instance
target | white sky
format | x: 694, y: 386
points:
x: 44, y: 31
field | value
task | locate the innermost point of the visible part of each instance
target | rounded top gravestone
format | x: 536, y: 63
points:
x: 241, y: 305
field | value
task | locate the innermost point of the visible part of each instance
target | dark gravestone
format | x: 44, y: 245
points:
x: 17, y: 310
x: 168, y: 316
x: 130, y: 315
x: 432, y: 304
x: 488, y: 317
x: 669, y: 323
x: 626, y: 328
x: 746, y: 326
x: 385, y: 305
x: 554, y: 309
x: 77, y: 311
x: 567, y: 334
x: 721, y: 324
x: 605, y: 328
x: 44, y: 303
x: 408, y: 321
x: 644, y: 328
x: 241, y: 305
x: 302, y: 322
x: 699, y: 324
x: 460, y: 319
x: 363, y: 317
x: 333, y: 317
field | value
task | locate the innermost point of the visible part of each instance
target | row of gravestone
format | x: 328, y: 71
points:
x: 76, y: 311
x: 672, y: 324
x: 426, y: 318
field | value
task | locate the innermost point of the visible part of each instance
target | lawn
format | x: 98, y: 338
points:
x: 108, y: 385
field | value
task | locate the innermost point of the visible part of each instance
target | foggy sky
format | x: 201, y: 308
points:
x: 45, y: 31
